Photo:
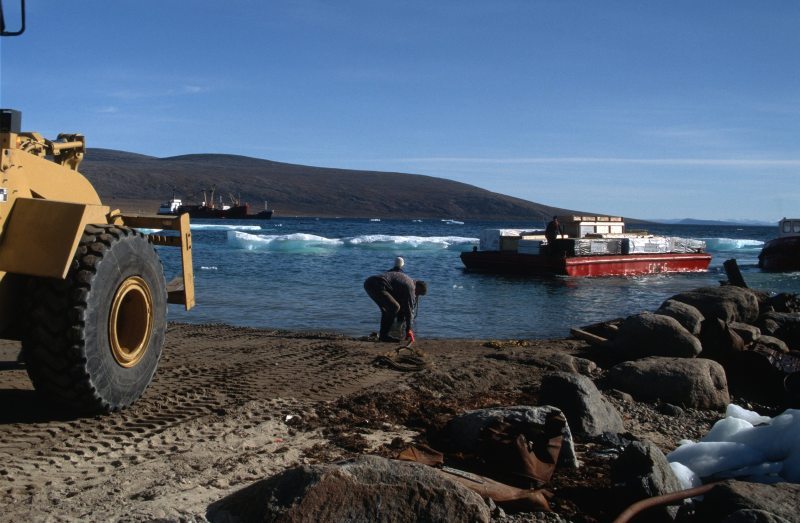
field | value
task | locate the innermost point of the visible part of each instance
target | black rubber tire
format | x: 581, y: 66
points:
x: 66, y: 340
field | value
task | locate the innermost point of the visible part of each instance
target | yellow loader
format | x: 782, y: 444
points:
x: 80, y: 286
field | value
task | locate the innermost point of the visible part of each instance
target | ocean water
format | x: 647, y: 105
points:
x: 307, y: 275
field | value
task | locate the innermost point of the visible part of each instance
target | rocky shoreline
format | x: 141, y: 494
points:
x: 672, y: 363
x: 251, y: 424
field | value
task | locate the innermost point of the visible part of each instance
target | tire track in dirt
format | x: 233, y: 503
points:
x: 237, y: 380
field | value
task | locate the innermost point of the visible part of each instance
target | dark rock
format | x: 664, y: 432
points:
x: 695, y: 383
x: 670, y: 410
x: 621, y: 396
x: 648, y: 334
x: 781, y: 302
x: 779, y: 499
x: 719, y: 340
x: 727, y: 303
x: 783, y: 325
x: 464, y: 432
x: 587, y: 411
x: 753, y: 374
x: 748, y: 333
x: 642, y: 471
x: 769, y: 342
x: 768, y: 326
x: 614, y: 439
x: 687, y: 315
x: 368, y: 488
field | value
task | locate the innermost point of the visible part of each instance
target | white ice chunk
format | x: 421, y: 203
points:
x: 708, y: 458
x: 735, y: 411
x: 686, y: 476
x: 776, y: 439
x: 726, y: 428
x: 767, y: 452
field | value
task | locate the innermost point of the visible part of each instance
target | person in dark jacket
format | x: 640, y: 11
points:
x: 553, y: 230
x: 397, y: 296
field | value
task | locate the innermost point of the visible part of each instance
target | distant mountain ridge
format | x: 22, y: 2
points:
x: 300, y: 190
x: 694, y: 221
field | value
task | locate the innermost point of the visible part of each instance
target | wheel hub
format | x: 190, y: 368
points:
x: 130, y: 322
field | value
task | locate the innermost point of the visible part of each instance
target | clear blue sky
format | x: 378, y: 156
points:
x: 647, y: 109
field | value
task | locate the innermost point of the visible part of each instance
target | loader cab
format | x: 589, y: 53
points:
x: 12, y: 18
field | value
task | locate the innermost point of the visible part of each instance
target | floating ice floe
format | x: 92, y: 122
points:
x: 297, y: 242
x: 453, y: 222
x: 731, y: 244
x: 309, y: 243
x: 384, y: 241
x: 742, y: 445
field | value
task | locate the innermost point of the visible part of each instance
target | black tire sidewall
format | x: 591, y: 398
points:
x: 116, y: 385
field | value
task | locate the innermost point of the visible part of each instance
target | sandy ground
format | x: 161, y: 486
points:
x: 229, y: 406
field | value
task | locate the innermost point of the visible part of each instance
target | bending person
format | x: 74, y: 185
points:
x: 397, y: 296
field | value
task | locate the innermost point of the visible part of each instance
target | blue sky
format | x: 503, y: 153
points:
x: 645, y: 109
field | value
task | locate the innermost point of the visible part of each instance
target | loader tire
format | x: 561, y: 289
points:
x: 92, y: 342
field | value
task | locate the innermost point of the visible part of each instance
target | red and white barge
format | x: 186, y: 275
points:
x: 590, y: 246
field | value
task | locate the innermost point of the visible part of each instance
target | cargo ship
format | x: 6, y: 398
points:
x: 587, y: 246
x: 211, y: 210
x: 782, y: 254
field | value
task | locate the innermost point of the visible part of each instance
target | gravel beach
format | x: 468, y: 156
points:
x: 231, y: 405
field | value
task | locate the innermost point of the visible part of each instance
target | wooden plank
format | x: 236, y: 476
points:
x: 587, y: 336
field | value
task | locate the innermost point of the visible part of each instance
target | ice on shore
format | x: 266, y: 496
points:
x: 744, y: 445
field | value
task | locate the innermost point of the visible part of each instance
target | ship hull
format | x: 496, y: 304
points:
x: 780, y: 255
x: 201, y: 211
x: 263, y: 215
x: 512, y: 262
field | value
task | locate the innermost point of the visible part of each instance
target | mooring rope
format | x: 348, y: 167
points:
x: 412, y: 360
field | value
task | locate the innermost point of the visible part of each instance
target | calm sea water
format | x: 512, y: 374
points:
x: 307, y: 274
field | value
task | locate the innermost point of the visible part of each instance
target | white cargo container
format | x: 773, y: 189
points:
x: 646, y: 245
x: 499, y: 239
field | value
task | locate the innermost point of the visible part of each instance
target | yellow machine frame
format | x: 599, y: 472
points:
x: 45, y: 207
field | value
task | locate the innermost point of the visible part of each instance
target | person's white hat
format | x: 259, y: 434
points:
x: 399, y: 262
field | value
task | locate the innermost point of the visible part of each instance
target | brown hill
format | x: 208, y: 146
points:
x: 129, y: 180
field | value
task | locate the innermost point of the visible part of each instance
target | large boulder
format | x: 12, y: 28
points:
x: 465, y: 432
x: 587, y: 411
x: 748, y: 333
x: 648, y: 334
x: 729, y: 497
x: 696, y: 383
x: 368, y: 488
x: 720, y: 340
x: 727, y: 302
x: 642, y: 471
x: 769, y: 343
x: 687, y: 315
x: 784, y: 326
